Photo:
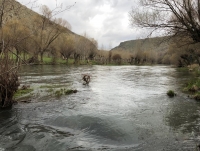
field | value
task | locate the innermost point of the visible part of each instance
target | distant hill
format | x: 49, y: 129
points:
x: 25, y: 12
x: 157, y: 44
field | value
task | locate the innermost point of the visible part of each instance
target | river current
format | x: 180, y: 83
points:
x: 124, y: 108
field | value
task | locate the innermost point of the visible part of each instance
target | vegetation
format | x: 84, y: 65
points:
x: 22, y: 92
x: 171, y: 93
x: 19, y: 37
x: 192, y: 86
x: 60, y: 92
x: 25, y: 92
x: 57, y: 91
x: 182, y: 23
x: 182, y: 19
x: 179, y: 20
x: 9, y: 37
x: 158, y: 50
x: 30, y: 38
x: 46, y: 39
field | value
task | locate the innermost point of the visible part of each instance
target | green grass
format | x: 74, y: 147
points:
x: 49, y: 60
x: 171, y: 93
x: 192, y: 87
x: 20, y: 92
x: 182, y: 69
x: 193, y: 82
x: 59, y: 93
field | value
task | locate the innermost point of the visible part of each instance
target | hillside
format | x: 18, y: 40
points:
x: 157, y: 44
x: 42, y: 35
x: 25, y: 12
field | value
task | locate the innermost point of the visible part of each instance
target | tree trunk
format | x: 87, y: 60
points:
x: 41, y: 56
x: 24, y: 55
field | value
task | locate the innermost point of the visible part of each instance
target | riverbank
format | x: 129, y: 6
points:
x: 192, y: 86
x: 71, y: 61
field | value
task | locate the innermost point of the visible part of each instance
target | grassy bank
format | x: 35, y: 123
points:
x: 51, y: 61
x: 192, y: 86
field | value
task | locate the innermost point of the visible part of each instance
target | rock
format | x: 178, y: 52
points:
x: 75, y: 91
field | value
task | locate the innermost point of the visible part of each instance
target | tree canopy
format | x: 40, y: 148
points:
x: 179, y: 18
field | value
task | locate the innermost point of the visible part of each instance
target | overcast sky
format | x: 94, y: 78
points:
x: 106, y: 21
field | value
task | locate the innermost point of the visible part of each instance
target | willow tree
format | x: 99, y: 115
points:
x: 66, y: 46
x: 13, y: 32
x: 47, y: 28
x: 180, y: 18
x: 10, y: 35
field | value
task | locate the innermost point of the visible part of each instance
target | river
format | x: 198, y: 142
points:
x: 124, y: 108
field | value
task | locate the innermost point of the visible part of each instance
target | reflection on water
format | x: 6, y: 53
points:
x: 124, y: 108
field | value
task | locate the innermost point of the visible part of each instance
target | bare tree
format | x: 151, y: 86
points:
x: 9, y: 83
x: 13, y: 36
x: 117, y: 58
x: 47, y: 28
x: 66, y: 46
x: 85, y: 48
x: 179, y: 18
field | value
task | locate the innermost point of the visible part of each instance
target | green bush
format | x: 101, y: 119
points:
x: 193, y: 85
x: 171, y: 93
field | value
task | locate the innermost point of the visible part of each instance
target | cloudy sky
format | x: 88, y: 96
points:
x: 106, y: 21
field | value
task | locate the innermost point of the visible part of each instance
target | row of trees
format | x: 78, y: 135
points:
x: 174, y: 54
x: 179, y: 19
x: 182, y: 55
x: 77, y: 47
x: 52, y: 36
x: 25, y: 33
x: 35, y: 35
x: 120, y: 56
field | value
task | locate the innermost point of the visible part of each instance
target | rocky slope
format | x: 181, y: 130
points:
x: 157, y: 43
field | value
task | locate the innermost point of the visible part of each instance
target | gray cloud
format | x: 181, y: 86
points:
x: 104, y: 20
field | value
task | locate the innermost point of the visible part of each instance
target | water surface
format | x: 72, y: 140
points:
x: 124, y: 108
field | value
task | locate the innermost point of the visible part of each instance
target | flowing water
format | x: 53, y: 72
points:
x: 124, y: 108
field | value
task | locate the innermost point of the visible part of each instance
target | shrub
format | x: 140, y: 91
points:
x: 117, y: 58
x: 8, y: 80
x: 171, y: 93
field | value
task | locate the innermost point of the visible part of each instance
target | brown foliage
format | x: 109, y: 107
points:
x: 180, y: 18
x: 117, y: 58
x: 8, y: 80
